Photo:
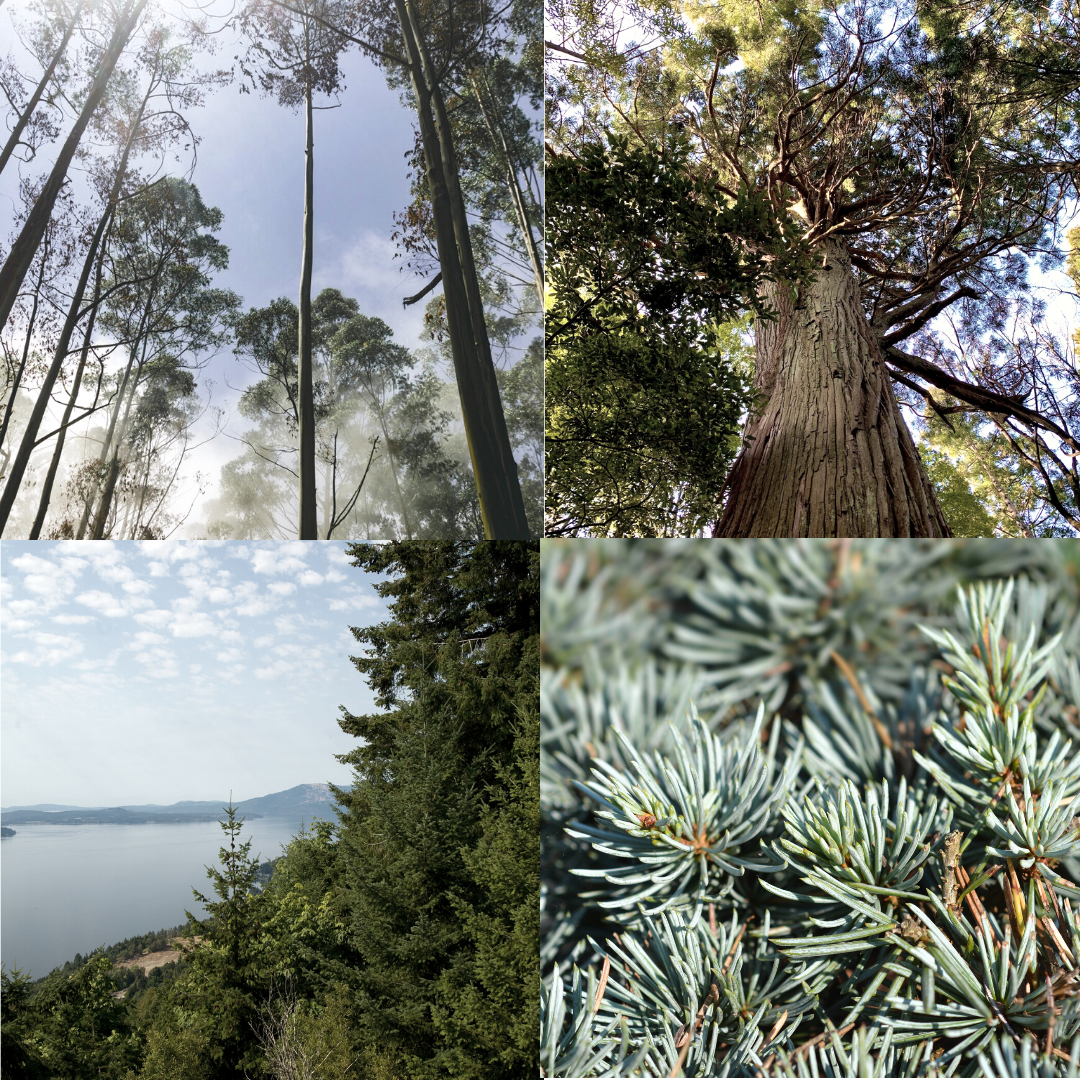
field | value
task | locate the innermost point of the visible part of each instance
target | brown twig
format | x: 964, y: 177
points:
x: 849, y: 674
x: 735, y: 945
x: 823, y: 1036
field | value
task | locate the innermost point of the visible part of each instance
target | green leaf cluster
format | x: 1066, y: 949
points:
x: 647, y: 378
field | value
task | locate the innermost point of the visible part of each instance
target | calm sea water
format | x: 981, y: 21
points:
x: 65, y: 889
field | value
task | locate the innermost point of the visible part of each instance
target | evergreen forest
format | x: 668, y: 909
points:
x: 142, y: 395
x: 810, y: 808
x: 397, y: 942
x: 814, y: 268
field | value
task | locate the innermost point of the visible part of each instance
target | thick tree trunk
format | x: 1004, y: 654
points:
x: 829, y: 454
x: 22, y: 251
x: 308, y: 525
x: 494, y: 467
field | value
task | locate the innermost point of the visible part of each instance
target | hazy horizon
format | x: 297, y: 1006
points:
x: 127, y: 802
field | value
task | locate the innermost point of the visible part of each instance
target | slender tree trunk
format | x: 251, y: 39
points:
x: 18, y: 468
x: 107, y: 442
x: 32, y: 104
x: 10, y: 406
x: 829, y: 454
x: 308, y: 525
x: 105, y: 505
x: 330, y: 492
x: 22, y: 251
x: 498, y: 139
x: 50, y: 477
x: 26, y: 447
x: 394, y: 473
x: 494, y: 468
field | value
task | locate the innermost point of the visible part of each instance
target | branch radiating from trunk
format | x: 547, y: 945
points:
x: 498, y: 141
x: 829, y: 455
x: 17, y: 381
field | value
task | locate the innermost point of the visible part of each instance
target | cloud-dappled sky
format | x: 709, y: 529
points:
x: 150, y: 672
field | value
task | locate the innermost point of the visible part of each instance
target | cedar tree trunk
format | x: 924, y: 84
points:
x: 829, y: 453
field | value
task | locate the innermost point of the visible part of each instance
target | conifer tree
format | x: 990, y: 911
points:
x: 858, y: 854
x: 228, y: 973
x: 438, y: 832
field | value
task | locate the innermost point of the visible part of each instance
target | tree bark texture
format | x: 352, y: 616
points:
x: 23, y: 250
x: 308, y: 525
x: 828, y: 454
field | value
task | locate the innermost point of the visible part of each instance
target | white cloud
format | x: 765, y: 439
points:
x: 51, y: 649
x: 282, y: 667
x: 309, y: 577
x: 193, y: 624
x: 51, y: 581
x: 33, y: 564
x: 264, y: 641
x: 14, y: 626
x: 147, y: 637
x: 74, y: 620
x: 231, y: 635
x: 158, y: 569
x: 137, y: 586
x: 356, y: 601
x: 281, y: 588
x: 283, y: 559
x: 250, y: 603
x: 157, y: 617
x: 338, y: 555
x: 103, y: 603
x: 218, y: 595
x: 226, y: 656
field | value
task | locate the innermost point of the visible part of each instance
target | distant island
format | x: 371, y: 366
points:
x: 306, y: 800
x: 115, y: 815
x: 7, y: 832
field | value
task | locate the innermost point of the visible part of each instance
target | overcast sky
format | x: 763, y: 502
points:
x: 158, y: 671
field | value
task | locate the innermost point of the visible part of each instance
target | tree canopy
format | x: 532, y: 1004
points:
x: 931, y: 144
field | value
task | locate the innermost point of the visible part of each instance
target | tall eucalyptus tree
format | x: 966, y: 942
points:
x: 293, y: 56
x: 425, y: 47
x: 62, y: 20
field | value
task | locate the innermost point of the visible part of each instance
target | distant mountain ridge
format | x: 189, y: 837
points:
x: 307, y: 800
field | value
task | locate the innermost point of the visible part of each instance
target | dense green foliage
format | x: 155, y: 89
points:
x: 644, y: 388
x: 435, y: 922
x: 858, y: 857
x: 399, y: 942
